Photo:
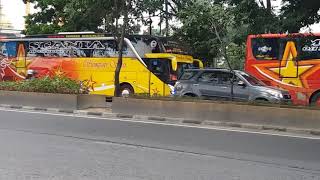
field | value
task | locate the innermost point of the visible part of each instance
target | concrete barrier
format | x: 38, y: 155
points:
x: 217, y: 111
x: 49, y: 100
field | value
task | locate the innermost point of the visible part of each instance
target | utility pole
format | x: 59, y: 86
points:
x: 27, y: 7
x: 269, y: 6
x: 0, y: 15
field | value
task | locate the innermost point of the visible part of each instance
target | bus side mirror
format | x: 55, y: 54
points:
x: 174, y: 64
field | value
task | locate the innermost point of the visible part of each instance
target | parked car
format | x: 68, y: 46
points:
x: 217, y: 83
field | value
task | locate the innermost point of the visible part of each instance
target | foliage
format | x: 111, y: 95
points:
x: 57, y: 84
x: 49, y: 17
x: 201, y: 22
x: 296, y: 14
x: 258, y: 17
x: 250, y: 18
x: 85, y: 15
x: 236, y: 55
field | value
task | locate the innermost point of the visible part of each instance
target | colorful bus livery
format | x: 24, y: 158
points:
x: 147, y: 67
x: 291, y: 62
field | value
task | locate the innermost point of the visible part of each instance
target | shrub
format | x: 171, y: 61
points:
x: 56, y: 84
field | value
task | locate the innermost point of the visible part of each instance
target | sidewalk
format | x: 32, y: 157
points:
x: 99, y: 110
x: 107, y: 112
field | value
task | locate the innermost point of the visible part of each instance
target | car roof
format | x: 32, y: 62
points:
x: 213, y: 69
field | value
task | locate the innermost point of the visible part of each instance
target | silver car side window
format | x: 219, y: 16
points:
x: 208, y: 77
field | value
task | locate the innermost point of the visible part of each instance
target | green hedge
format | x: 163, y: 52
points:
x: 57, y: 84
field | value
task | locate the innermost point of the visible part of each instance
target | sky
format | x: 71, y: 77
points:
x: 15, y: 10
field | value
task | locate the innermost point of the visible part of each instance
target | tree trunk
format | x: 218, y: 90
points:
x: 167, y: 17
x: 224, y: 53
x: 269, y: 6
x: 117, y: 92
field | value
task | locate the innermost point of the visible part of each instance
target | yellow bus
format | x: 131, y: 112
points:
x: 151, y: 64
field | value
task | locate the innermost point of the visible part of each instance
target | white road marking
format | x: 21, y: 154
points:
x: 166, y: 124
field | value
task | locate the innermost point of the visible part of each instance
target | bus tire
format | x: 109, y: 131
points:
x: 315, y: 99
x: 126, y: 90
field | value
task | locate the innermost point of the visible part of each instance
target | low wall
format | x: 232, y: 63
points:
x: 50, y: 100
x: 216, y: 111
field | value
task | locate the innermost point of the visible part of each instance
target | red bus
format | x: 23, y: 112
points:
x: 287, y: 61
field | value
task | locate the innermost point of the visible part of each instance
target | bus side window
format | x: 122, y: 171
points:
x: 309, y: 48
x: 196, y: 64
x: 265, y: 48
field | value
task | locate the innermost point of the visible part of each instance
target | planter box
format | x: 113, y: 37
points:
x: 218, y: 111
x: 50, y: 100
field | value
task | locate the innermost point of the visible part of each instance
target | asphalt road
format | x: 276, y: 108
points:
x: 58, y: 147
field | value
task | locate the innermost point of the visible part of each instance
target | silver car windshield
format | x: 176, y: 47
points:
x: 252, y: 80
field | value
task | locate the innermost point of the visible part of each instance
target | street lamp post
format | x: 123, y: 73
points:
x: 166, y: 15
x: 149, y: 21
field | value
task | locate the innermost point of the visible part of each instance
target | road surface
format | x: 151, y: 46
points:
x: 39, y: 145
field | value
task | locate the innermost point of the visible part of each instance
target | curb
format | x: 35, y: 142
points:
x: 189, y: 122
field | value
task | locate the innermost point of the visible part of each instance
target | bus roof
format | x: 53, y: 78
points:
x: 179, y: 58
x: 283, y: 35
x: 167, y: 44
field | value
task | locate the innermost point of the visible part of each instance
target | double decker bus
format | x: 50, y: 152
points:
x: 287, y: 61
x: 151, y: 64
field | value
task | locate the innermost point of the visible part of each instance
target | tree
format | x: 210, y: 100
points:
x: 236, y: 56
x: 67, y: 15
x: 258, y: 16
x: 120, y: 9
x: 205, y: 28
x: 48, y: 18
x: 296, y: 14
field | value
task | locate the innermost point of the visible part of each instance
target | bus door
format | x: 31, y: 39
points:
x: 288, y: 61
x: 159, y: 76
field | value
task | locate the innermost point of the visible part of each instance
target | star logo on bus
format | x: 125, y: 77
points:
x: 287, y: 71
x: 59, y: 72
x: 291, y: 72
x: 89, y: 83
x: 156, y: 91
x: 21, y: 63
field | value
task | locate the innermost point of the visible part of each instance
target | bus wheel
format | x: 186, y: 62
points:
x: 315, y: 100
x: 126, y: 90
